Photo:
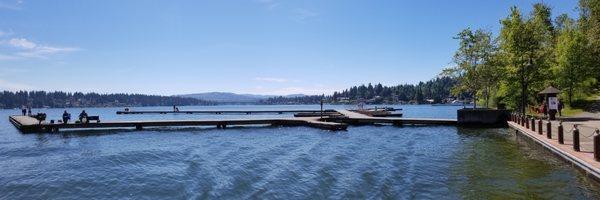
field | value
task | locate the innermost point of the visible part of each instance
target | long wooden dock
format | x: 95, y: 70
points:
x: 334, y: 120
x: 29, y: 124
x: 223, y: 112
x: 351, y: 117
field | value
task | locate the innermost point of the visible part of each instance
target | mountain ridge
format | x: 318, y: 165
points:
x: 230, y: 97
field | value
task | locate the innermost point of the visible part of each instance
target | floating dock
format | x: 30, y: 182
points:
x: 225, y: 112
x: 352, y: 117
x: 333, y: 120
x: 29, y: 124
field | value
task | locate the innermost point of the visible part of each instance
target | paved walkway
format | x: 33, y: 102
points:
x: 583, y: 159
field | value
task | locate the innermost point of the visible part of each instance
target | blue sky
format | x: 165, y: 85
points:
x: 252, y: 46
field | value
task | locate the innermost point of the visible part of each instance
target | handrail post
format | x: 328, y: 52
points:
x: 561, y: 139
x: 548, y: 130
x: 576, y: 139
x: 597, y: 145
x: 540, y: 129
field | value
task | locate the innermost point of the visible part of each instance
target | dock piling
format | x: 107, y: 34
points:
x: 561, y: 139
x: 548, y: 130
x: 576, y: 139
x: 540, y: 129
x: 597, y: 145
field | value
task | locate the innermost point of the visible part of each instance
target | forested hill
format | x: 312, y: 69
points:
x: 39, y: 99
x: 436, y: 90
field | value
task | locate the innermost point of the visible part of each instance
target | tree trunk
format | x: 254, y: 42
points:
x: 570, y: 96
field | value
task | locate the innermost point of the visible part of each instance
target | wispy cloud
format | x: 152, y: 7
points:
x: 271, y: 79
x: 303, y: 15
x: 11, y: 5
x: 269, y: 4
x: 12, y: 86
x: 8, y: 57
x: 21, y: 43
x: 24, y: 48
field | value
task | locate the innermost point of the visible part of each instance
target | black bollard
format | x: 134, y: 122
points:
x: 522, y: 120
x: 533, y: 124
x: 526, y: 123
x: 597, y: 146
x: 576, y: 139
x: 561, y: 139
x: 540, y: 129
x: 548, y: 130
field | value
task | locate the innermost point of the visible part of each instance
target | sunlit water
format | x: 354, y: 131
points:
x: 411, y: 162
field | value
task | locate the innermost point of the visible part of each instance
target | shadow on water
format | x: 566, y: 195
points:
x: 493, y: 162
x: 104, y: 132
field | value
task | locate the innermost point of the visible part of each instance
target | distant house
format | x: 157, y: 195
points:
x: 343, y: 99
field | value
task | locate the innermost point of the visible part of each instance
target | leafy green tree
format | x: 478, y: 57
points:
x: 526, y: 46
x: 572, y: 67
x: 589, y: 22
x: 473, y: 67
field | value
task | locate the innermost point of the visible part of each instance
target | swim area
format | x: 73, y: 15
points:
x: 410, y: 162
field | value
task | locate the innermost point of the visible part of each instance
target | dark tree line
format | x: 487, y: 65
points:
x: 38, y: 99
x: 435, y: 90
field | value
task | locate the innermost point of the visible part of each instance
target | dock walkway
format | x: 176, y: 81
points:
x: 222, y: 112
x: 583, y: 159
x: 335, y: 120
x: 30, y: 124
x: 358, y: 118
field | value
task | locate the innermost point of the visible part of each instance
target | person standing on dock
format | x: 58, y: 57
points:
x: 83, y: 115
x: 66, y: 117
x: 560, y: 107
x: 23, y: 110
x: 29, y: 111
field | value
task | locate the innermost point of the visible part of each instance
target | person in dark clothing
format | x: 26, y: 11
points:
x: 24, y: 111
x: 82, y: 115
x: 66, y: 117
x: 28, y: 110
x: 560, y: 107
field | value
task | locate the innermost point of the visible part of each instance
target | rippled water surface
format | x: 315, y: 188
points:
x: 422, y: 162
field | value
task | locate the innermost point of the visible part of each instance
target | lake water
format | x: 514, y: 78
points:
x: 365, y: 162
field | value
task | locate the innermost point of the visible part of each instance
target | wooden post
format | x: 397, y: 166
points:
x: 521, y: 121
x: 321, y: 108
x: 540, y: 129
x: 548, y: 130
x: 597, y: 145
x: 526, y: 123
x: 576, y: 139
x: 561, y: 139
x: 533, y: 124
